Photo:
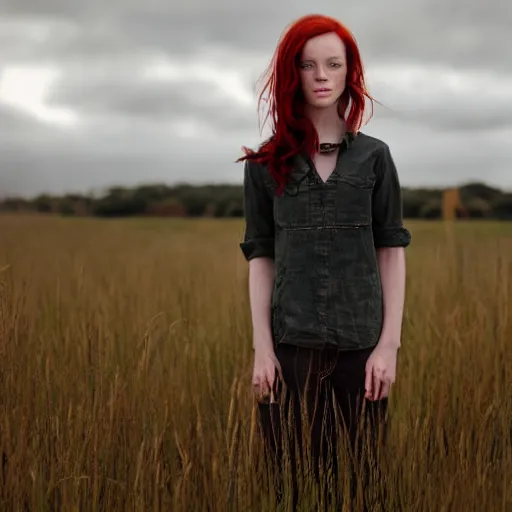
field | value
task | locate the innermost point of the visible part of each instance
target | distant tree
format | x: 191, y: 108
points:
x: 210, y: 209
x: 66, y: 208
x: 234, y: 209
x: 478, y: 207
x: 195, y: 201
x: 166, y: 208
x: 120, y: 202
x: 221, y: 207
x: 432, y: 209
x: 44, y: 203
x: 412, y: 203
x: 502, y: 207
x: 16, y: 204
x: 221, y: 200
x: 152, y: 193
x: 479, y: 190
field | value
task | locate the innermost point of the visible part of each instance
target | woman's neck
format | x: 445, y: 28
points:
x: 328, y: 124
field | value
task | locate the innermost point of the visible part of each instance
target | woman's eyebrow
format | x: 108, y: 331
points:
x: 334, y: 57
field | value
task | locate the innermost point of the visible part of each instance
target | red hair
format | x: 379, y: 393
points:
x: 292, y: 131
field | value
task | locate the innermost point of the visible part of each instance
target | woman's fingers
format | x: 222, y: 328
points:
x: 377, y: 383
x: 261, y: 387
x: 368, y: 384
x: 385, y: 388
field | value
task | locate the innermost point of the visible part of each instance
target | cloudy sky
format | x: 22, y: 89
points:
x: 95, y: 93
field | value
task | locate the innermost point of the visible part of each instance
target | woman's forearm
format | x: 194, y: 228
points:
x: 261, y: 281
x: 392, y: 273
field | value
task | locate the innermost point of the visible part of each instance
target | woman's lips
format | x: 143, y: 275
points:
x: 322, y: 92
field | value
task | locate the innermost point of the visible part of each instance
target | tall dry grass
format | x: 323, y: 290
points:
x: 125, y: 362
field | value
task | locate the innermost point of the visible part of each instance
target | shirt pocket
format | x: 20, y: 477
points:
x: 353, y: 204
x: 292, y: 207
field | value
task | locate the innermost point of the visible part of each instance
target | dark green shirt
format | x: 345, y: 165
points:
x: 323, y: 238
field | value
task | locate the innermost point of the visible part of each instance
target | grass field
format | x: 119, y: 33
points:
x: 125, y: 364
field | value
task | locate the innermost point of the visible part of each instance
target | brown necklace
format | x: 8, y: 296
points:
x: 329, y: 147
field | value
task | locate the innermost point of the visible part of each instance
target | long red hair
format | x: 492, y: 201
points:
x: 292, y: 131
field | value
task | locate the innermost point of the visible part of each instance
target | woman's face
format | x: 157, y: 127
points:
x: 323, y: 70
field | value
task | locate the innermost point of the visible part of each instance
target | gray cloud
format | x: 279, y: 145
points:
x: 136, y: 130
x: 136, y: 97
x: 119, y: 91
x: 470, y: 32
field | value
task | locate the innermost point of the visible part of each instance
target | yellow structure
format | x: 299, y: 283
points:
x: 452, y: 204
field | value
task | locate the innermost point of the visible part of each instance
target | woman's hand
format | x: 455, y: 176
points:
x: 266, y: 370
x: 380, y: 372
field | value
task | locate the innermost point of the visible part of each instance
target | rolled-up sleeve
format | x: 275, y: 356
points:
x: 259, y: 214
x: 387, y: 222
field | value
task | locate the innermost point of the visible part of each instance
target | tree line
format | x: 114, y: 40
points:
x: 478, y: 201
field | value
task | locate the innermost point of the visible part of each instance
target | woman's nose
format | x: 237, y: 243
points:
x: 320, y: 75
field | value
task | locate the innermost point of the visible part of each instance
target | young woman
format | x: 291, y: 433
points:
x: 325, y: 241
